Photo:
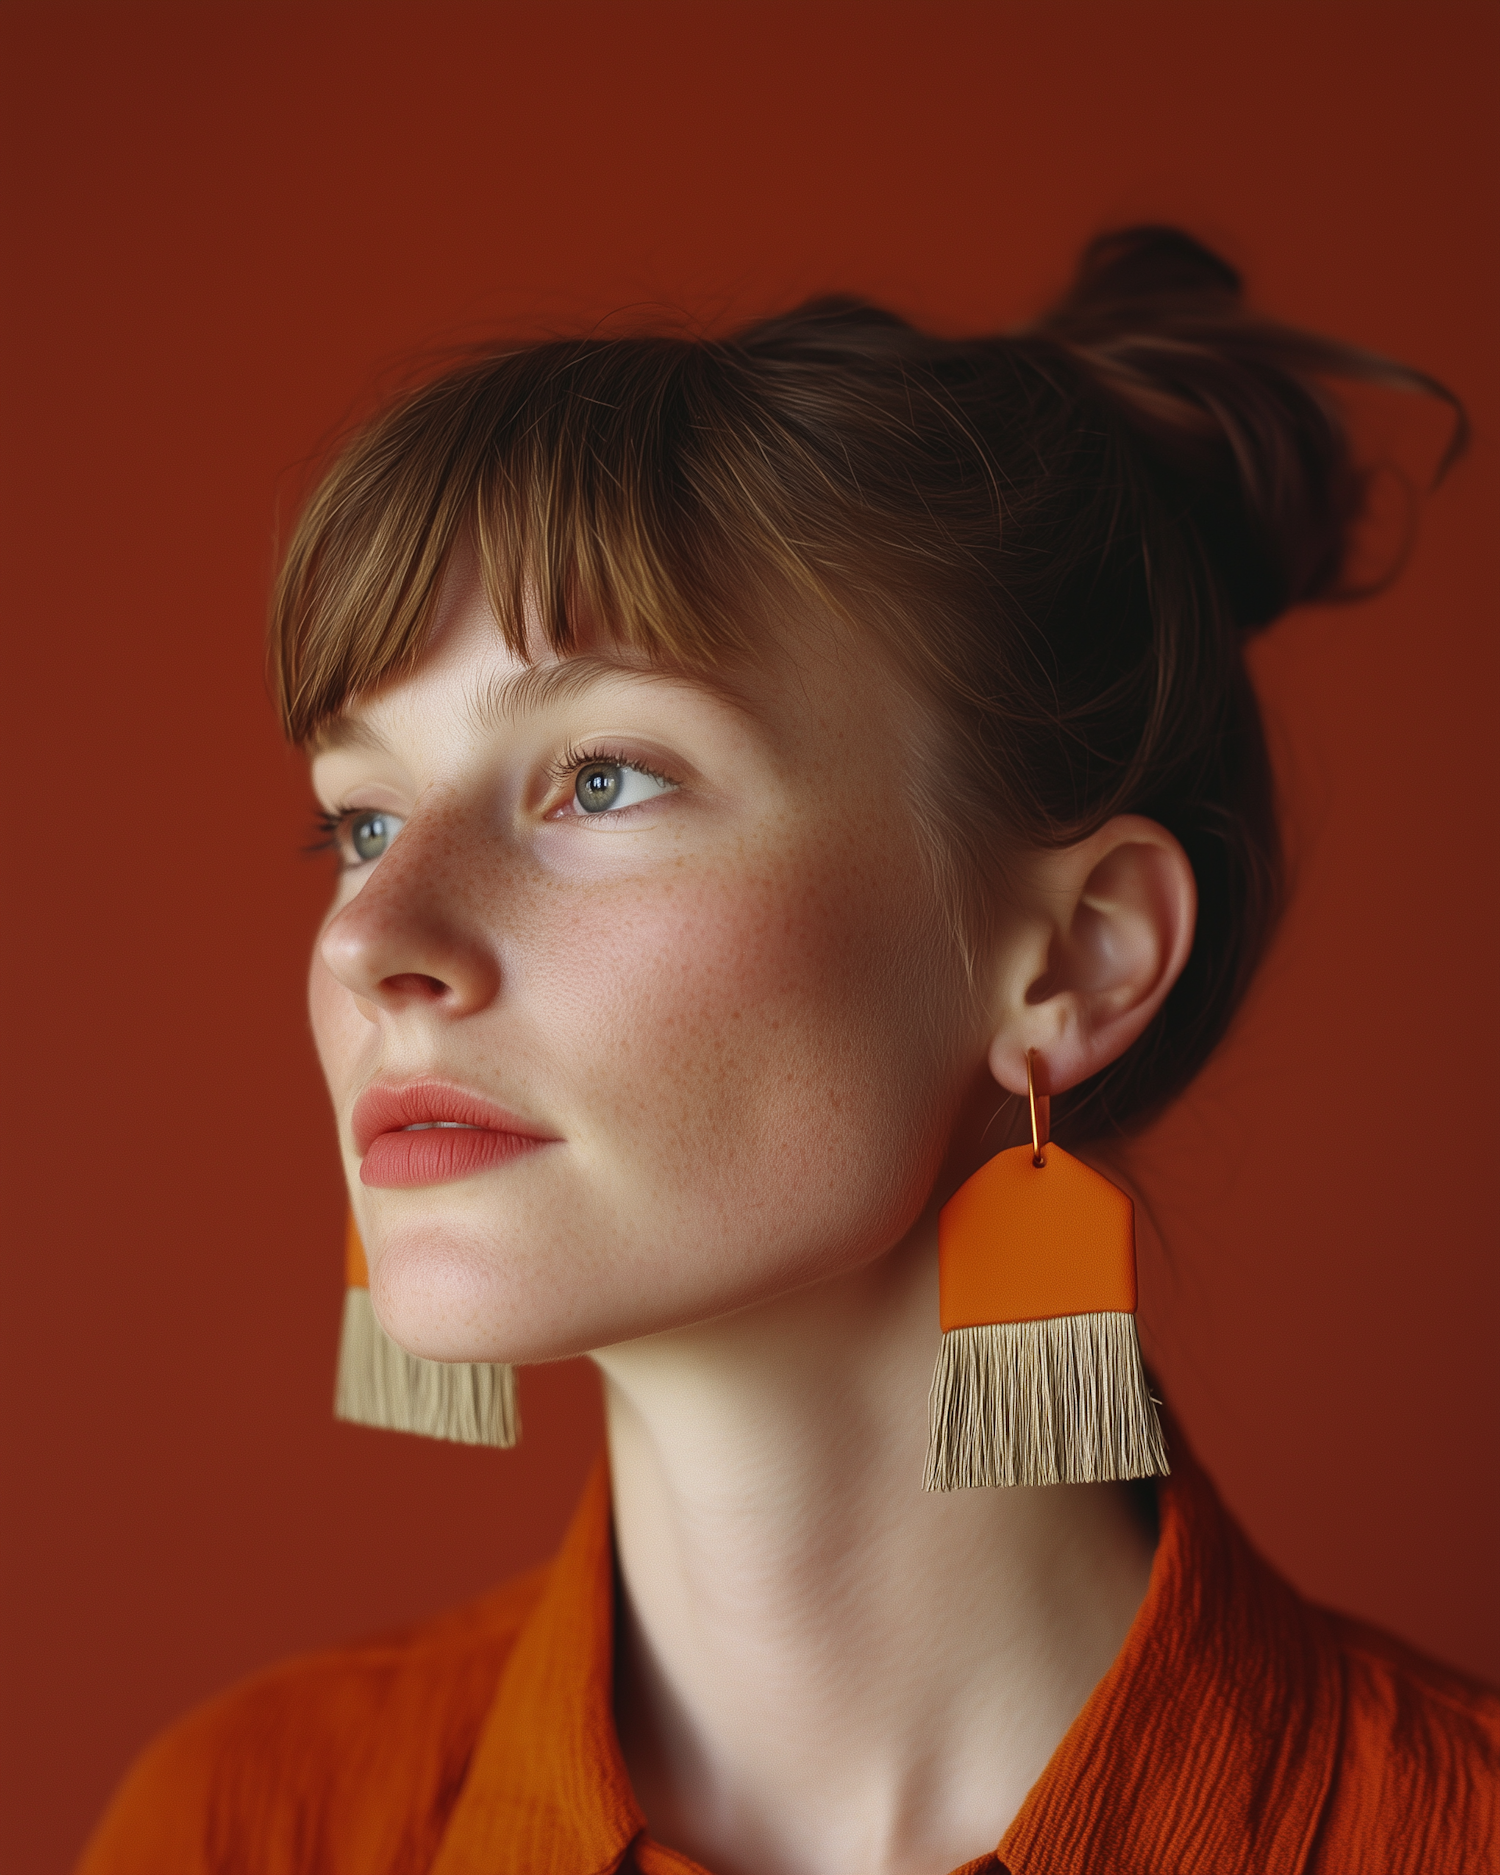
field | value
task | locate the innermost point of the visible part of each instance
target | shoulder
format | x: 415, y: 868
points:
x: 1417, y: 1785
x: 347, y: 1759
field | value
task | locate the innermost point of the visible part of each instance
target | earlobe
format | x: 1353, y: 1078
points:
x: 1105, y: 932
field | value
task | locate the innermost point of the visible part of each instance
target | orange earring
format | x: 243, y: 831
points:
x: 1040, y: 1378
x: 380, y: 1384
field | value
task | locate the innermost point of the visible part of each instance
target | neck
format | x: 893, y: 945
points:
x: 823, y: 1669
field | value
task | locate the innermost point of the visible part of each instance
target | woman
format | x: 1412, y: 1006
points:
x: 755, y: 768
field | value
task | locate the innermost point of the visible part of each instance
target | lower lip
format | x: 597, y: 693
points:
x: 436, y: 1155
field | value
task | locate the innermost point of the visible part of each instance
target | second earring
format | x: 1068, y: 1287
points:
x: 1040, y: 1379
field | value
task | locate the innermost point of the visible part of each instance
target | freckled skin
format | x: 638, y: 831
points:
x: 736, y: 1006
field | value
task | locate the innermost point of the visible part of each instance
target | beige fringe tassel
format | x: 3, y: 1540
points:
x: 1063, y: 1401
x: 380, y: 1384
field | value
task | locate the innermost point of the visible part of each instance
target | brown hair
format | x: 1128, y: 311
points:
x: 1064, y: 534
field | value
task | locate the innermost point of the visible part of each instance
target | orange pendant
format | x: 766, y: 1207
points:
x: 1022, y: 1242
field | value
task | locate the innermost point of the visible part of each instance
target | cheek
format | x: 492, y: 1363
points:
x: 764, y: 1074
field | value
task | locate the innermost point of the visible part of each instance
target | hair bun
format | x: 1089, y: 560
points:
x: 1152, y: 263
x: 1227, y: 411
x: 1232, y: 412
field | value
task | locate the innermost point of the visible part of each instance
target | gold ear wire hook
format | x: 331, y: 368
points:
x: 1041, y: 1114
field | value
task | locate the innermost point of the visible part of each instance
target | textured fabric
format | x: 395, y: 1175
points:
x: 1240, y: 1732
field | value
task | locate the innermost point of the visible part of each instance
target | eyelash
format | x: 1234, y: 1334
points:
x: 573, y: 758
x: 328, y: 825
x: 326, y: 830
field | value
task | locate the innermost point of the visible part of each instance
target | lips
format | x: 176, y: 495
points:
x: 429, y: 1133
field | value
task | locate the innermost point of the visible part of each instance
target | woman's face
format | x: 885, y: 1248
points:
x: 635, y: 999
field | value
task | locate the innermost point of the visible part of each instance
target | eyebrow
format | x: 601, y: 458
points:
x: 524, y: 693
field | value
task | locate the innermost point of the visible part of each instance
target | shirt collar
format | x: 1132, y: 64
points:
x: 1208, y: 1746
x: 1211, y: 1742
x: 547, y: 1791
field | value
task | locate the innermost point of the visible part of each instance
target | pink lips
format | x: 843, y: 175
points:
x: 428, y: 1132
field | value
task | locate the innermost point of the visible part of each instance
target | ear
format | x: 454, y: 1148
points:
x: 1102, y: 932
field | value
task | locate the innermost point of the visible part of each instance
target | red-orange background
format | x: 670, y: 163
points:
x: 227, y: 222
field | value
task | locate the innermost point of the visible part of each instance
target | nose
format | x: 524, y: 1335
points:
x: 412, y: 937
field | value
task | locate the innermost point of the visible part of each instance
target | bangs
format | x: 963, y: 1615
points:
x: 622, y: 481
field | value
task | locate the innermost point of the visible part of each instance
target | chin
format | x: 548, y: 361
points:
x: 455, y: 1291
x: 450, y: 1292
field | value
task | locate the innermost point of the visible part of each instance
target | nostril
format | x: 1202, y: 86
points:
x: 410, y: 983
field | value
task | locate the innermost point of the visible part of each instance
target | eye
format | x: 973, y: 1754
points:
x: 370, y: 834
x: 600, y: 786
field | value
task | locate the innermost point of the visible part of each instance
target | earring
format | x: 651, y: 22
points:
x: 1040, y: 1379
x: 380, y: 1384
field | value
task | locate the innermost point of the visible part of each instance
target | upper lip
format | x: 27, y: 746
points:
x: 388, y: 1106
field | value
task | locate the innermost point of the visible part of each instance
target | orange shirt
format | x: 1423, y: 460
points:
x: 1240, y: 1729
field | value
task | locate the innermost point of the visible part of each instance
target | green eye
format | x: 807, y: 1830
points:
x: 598, y: 786
x: 371, y: 834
